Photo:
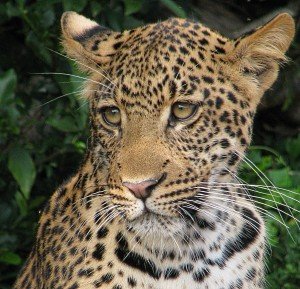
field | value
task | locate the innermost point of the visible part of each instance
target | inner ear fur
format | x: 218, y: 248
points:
x: 260, y: 53
x: 87, y: 42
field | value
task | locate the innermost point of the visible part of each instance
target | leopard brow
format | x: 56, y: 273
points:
x: 105, y: 95
x: 192, y: 98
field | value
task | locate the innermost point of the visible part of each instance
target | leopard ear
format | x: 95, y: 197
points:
x: 87, y: 42
x: 259, y: 54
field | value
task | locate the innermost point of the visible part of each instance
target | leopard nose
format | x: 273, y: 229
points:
x: 141, y: 190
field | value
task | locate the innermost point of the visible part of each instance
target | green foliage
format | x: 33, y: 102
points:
x: 280, y: 205
x: 22, y: 168
x: 43, y: 126
x: 175, y: 8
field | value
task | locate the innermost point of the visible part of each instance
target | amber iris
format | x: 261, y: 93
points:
x: 111, y: 115
x: 183, y: 110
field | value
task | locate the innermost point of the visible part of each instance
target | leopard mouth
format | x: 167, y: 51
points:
x: 151, y: 223
x: 147, y: 214
x: 180, y: 208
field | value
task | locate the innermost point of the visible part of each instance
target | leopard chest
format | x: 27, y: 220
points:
x: 206, y: 255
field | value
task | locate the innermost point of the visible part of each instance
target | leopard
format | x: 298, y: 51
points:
x: 156, y: 201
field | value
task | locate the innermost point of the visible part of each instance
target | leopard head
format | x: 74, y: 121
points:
x: 171, y: 107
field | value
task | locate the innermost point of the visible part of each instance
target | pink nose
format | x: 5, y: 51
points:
x: 140, y: 189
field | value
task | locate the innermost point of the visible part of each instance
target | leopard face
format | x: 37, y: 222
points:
x: 171, y: 110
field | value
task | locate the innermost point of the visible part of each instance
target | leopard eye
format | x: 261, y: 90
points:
x: 111, y: 115
x: 183, y: 110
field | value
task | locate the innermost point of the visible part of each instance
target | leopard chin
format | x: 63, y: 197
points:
x: 152, y: 224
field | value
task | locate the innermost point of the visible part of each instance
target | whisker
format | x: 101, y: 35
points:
x: 194, y: 207
x: 253, y: 197
x: 73, y: 75
x: 258, y: 172
x: 59, y: 97
x: 81, y: 63
x: 239, y: 214
x: 246, y: 185
x: 239, y: 201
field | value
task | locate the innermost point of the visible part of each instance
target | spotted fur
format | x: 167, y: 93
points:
x: 194, y: 229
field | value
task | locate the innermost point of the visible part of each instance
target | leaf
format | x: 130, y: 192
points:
x: 296, y: 179
x: 96, y: 8
x: 36, y: 202
x: 8, y: 81
x: 266, y: 163
x: 272, y: 230
x: 65, y: 124
x: 132, y: 6
x: 293, y: 147
x: 281, y: 177
x: 82, y: 116
x: 11, y: 258
x: 3, y: 13
x: 254, y: 155
x: 38, y: 47
x: 6, y: 213
x: 21, y: 3
x: 130, y: 22
x: 8, y: 240
x: 279, y: 158
x: 175, y: 8
x: 48, y: 18
x: 22, y: 204
x: 115, y: 18
x: 11, y: 10
x: 80, y: 146
x: 71, y: 5
x: 22, y: 168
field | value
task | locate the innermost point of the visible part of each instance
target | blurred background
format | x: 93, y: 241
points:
x: 44, y: 125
